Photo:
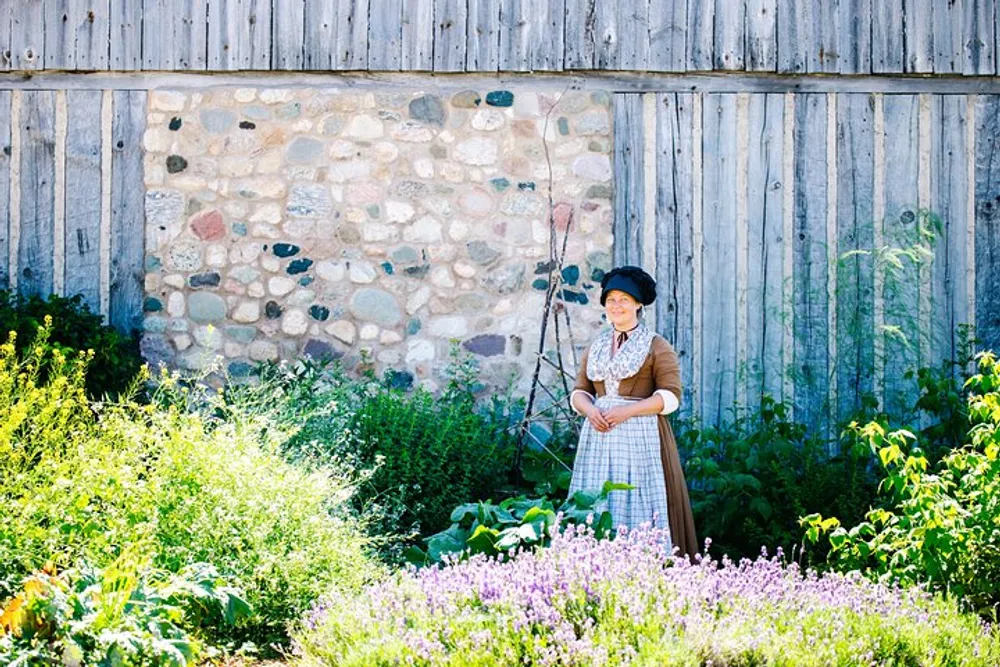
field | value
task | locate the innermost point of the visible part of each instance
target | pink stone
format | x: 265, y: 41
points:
x: 363, y: 193
x: 562, y: 214
x: 208, y: 226
x: 476, y: 202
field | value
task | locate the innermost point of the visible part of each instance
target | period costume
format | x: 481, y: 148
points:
x: 641, y: 450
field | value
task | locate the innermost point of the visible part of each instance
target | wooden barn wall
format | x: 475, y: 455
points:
x: 786, y: 235
x: 72, y: 218
x: 784, y: 36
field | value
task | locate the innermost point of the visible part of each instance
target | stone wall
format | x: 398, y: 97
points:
x: 370, y: 226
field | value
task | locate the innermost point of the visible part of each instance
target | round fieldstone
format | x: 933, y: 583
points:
x: 176, y: 164
x: 410, y: 190
x: 206, y: 307
x: 481, y: 252
x: 467, y: 99
x: 476, y: 202
x: 154, y: 324
x: 239, y: 229
x: 309, y: 200
x: 285, y: 249
x: 599, y: 192
x: 374, y: 305
x: 152, y: 305
x: 571, y: 274
x: 210, y: 279
x: 477, y: 151
x: 419, y: 351
x: 247, y: 311
x: 240, y: 333
x: 321, y: 313
x: 184, y: 256
x: 487, y: 120
x: 427, y: 109
x: 500, y: 98
x: 521, y: 203
x: 294, y: 322
x: 217, y: 121
x: 272, y: 310
x: 592, y: 167
x: 280, y: 285
x: 400, y: 380
x: 304, y: 150
x: 208, y: 226
x: 405, y: 255
x: 330, y: 270
x: 563, y: 125
x: 152, y: 263
x: 175, y: 123
x: 362, y: 273
x: 486, y: 345
x: 244, y: 274
x: 505, y: 279
x: 593, y: 122
x: 472, y: 302
x: 239, y: 369
x: 319, y: 350
x: 424, y: 230
x: 343, y: 330
x: 164, y: 207
x: 364, y: 127
x: 299, y: 266
x: 413, y: 326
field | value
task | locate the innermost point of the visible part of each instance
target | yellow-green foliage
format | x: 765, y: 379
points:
x: 83, y: 481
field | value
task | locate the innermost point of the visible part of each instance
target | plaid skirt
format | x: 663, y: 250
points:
x: 630, y: 453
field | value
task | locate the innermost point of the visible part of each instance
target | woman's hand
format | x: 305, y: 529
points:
x: 617, y: 415
x: 596, y: 419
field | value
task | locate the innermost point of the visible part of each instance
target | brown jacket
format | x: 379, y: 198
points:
x: 660, y: 370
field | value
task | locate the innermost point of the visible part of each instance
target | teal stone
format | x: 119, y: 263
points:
x: 413, y: 326
x: 570, y: 296
x: 540, y: 284
x: 500, y: 98
x: 299, y: 266
x: 400, y: 380
x: 240, y: 369
x: 240, y: 229
x: 373, y: 211
x: 153, y: 263
x: 387, y: 267
x: 597, y: 275
x: 305, y: 281
x: 563, y: 125
x: 321, y: 313
x: 405, y: 255
x: 152, y: 305
x: 571, y: 274
x: 545, y: 267
x: 500, y: 184
x: 175, y: 123
x: 374, y: 305
x: 272, y: 310
x: 417, y: 271
x: 527, y: 185
x: 427, y: 109
x: 241, y: 334
x: 285, y: 249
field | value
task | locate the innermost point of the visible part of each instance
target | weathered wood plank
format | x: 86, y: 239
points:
x: 728, y: 33
x: 319, y: 38
x: 581, y: 34
x: 190, y: 43
x: 450, y: 18
x: 385, y: 37
x: 418, y: 35
x: 5, y: 19
x: 59, y: 19
x: 949, y: 53
x: 628, y: 180
x: 900, y: 232
x: 667, y: 36
x: 224, y: 25
x: 674, y: 242
x: 127, y: 219
x: 27, y: 35
x: 824, y: 46
x: 855, y: 36
x: 855, y: 276
x: 255, y: 45
x: 919, y: 37
x: 887, y: 36
x: 765, y: 217
x: 351, y: 34
x: 126, y: 35
x: 988, y: 221
x: 482, y: 48
x: 288, y: 34
x: 37, y: 230
x: 794, y: 36
x: 5, y: 150
x: 622, y: 31
x: 700, y: 38
x: 762, y: 35
x: 949, y: 206
x: 156, y: 33
x: 77, y: 34
x: 979, y: 36
x: 531, y: 35
x: 810, y: 270
x: 718, y: 305
x: 83, y: 197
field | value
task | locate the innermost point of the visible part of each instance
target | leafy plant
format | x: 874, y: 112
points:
x: 116, y: 357
x: 939, y: 525
x: 485, y: 528
x: 123, y: 615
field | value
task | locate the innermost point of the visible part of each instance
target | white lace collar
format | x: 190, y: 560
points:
x: 602, y: 367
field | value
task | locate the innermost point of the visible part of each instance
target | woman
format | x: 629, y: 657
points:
x: 629, y: 379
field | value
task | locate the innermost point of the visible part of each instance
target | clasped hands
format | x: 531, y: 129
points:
x: 605, y: 420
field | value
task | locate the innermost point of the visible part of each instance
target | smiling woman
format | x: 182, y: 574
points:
x: 628, y: 381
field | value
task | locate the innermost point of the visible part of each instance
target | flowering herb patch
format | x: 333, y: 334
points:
x: 585, y: 601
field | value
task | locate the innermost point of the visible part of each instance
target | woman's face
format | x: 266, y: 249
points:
x: 621, y: 308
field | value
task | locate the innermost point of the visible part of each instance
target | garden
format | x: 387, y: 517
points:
x: 318, y: 517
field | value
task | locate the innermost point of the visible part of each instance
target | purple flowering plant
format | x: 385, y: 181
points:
x: 623, y: 601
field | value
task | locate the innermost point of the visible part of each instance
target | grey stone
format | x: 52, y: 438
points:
x: 411, y: 189
x: 239, y: 229
x: 405, y: 255
x: 428, y: 109
x: 206, y: 307
x: 240, y: 369
x: 402, y: 380
x: 245, y: 274
x: 472, y: 302
x: 481, y: 252
x: 485, y: 345
x: 375, y: 305
x: 164, y: 207
x: 155, y: 349
x: 467, y: 99
x: 599, y: 192
x: 241, y: 334
x: 152, y: 263
x: 289, y: 111
x: 210, y: 279
x: 176, y: 164
x: 505, y: 279
x: 593, y: 122
x: 309, y: 200
x: 256, y: 112
x: 318, y: 349
x: 272, y: 310
x: 304, y: 150
x: 154, y: 324
x: 217, y: 121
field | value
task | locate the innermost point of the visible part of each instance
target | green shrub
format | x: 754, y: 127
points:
x: 939, y: 525
x: 752, y: 479
x: 116, y: 356
x: 80, y: 481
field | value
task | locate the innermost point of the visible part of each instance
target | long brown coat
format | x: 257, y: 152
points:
x: 660, y: 370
